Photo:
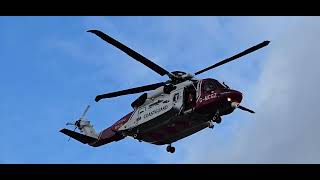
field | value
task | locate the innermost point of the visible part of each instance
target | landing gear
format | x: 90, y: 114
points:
x: 216, y: 118
x: 135, y: 136
x: 171, y: 149
x: 210, y: 124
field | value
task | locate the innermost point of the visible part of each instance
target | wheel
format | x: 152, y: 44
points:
x: 172, y: 149
x: 168, y: 148
x: 218, y: 120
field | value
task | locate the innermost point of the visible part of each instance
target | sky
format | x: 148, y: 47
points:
x: 52, y: 69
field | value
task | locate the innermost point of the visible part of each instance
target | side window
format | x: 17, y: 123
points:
x: 176, y: 97
x: 189, y: 97
x: 209, y: 86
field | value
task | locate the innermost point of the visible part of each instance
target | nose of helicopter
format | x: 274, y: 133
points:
x: 234, y: 96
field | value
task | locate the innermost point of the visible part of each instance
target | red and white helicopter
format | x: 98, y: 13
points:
x: 170, y: 111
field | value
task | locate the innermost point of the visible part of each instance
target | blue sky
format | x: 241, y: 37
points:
x: 52, y: 68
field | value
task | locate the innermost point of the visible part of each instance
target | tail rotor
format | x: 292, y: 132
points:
x: 77, y: 123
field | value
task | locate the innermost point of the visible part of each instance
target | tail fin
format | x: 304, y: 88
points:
x: 89, y: 133
x: 79, y: 137
x: 87, y: 129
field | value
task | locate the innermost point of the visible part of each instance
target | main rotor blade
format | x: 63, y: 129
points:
x: 246, y: 109
x: 129, y: 91
x: 245, y: 52
x: 131, y: 53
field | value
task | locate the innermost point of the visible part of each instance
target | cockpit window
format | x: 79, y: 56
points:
x: 211, y: 85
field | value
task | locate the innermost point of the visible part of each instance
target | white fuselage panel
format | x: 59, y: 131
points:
x: 156, y: 107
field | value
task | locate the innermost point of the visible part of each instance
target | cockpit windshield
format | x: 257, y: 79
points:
x: 212, y: 84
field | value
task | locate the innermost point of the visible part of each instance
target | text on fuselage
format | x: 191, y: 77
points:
x: 156, y: 111
x: 207, y: 97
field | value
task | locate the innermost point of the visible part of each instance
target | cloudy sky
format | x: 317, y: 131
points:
x: 52, y: 68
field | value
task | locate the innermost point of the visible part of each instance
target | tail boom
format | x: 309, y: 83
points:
x: 105, y: 137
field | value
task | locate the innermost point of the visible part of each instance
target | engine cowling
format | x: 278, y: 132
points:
x: 153, y: 94
x: 139, y: 101
x: 168, y: 88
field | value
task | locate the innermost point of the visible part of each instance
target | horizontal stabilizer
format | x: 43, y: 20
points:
x: 77, y: 136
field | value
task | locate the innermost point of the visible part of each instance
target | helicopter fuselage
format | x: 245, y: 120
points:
x: 170, y: 117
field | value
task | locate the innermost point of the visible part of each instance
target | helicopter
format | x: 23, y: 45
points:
x: 166, y: 111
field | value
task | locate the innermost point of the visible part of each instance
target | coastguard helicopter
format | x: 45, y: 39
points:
x: 170, y: 110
